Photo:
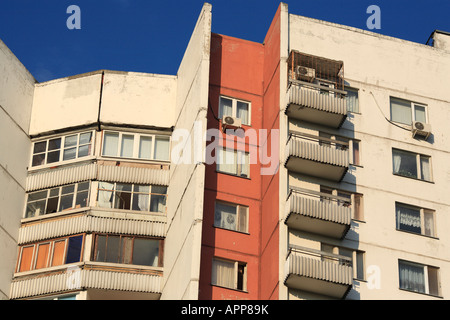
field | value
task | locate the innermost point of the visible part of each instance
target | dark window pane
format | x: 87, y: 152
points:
x: 146, y: 252
x: 52, y: 205
x: 82, y: 199
x: 100, y: 251
x: 74, y: 249
x: 83, y: 186
x: 68, y: 189
x: 140, y: 201
x: 85, y: 137
x: 71, y: 141
x: 54, y: 144
x: 84, y: 151
x: 70, y: 154
x: 40, y: 147
x: 123, y: 200
x: 35, y: 208
x: 53, y: 157
x: 66, y: 202
x: 37, y: 195
x: 112, y: 249
x: 38, y: 159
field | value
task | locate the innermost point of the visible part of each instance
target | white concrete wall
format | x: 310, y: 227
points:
x: 16, y: 94
x: 380, y: 67
x: 186, y: 188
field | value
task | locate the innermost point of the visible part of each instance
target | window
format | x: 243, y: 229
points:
x: 412, y: 165
x: 233, y: 162
x: 419, y: 278
x: 355, y: 256
x: 128, y: 250
x: 352, y: 100
x: 135, y: 145
x: 414, y: 219
x: 229, y: 274
x: 234, y: 108
x: 342, y: 143
x: 62, y: 148
x: 346, y: 198
x: 50, y: 253
x: 231, y: 216
x: 57, y: 199
x: 132, y: 197
x: 406, y: 112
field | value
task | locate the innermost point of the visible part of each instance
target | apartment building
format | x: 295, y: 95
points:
x: 312, y: 165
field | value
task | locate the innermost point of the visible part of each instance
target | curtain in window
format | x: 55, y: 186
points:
x: 145, y: 147
x: 425, y: 168
x: 225, y: 216
x: 223, y: 273
x: 110, y: 144
x: 408, y: 219
x: 158, y: 199
x: 126, y: 149
x: 105, y: 198
x: 226, y: 161
x: 352, y: 100
x: 225, y: 108
x: 162, y: 148
x: 412, y: 277
x: 242, y: 112
x: 428, y: 218
x: 401, y: 111
x: 397, y: 160
x: 419, y: 113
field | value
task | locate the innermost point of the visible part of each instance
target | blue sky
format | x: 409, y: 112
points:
x: 151, y: 36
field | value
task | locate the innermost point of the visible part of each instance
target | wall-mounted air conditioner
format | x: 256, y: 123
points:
x: 231, y: 122
x: 306, y: 74
x: 421, y: 129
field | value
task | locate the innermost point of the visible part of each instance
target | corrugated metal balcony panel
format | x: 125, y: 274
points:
x: 84, y: 279
x: 133, y: 175
x: 86, y: 223
x: 60, y: 176
x: 315, y: 152
x: 325, y: 210
x: 314, y: 99
x: 322, y: 270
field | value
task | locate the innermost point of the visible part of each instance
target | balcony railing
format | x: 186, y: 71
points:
x: 88, y: 275
x: 318, y: 213
x: 317, y: 156
x: 318, y: 272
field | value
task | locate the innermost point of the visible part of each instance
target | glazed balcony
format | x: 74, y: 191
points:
x: 317, y: 156
x: 318, y: 213
x: 318, y: 272
x: 101, y: 277
x: 311, y: 103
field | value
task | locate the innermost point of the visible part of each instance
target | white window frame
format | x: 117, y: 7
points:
x: 422, y: 212
x: 418, y: 165
x: 237, y: 165
x: 136, y: 142
x: 239, y: 217
x: 61, y: 149
x: 236, y: 265
x: 354, y: 90
x: 412, y: 109
x: 426, y: 277
x: 234, y: 102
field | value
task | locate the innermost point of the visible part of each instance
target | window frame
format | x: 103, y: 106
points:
x: 51, y: 252
x: 357, y: 257
x: 119, y: 251
x: 422, y: 212
x: 132, y: 192
x: 136, y: 145
x: 61, y: 149
x: 238, y: 167
x: 238, y: 216
x: 356, y: 215
x: 356, y: 91
x: 426, y: 278
x: 234, y: 102
x: 351, y: 146
x: 236, y: 265
x: 59, y: 196
x: 412, y: 110
x: 418, y: 162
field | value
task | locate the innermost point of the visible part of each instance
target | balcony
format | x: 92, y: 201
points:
x: 318, y: 213
x: 100, y: 278
x: 318, y: 272
x: 317, y: 156
x: 316, y: 90
x: 312, y: 103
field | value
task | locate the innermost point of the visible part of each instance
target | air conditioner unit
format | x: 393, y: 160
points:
x: 233, y: 122
x: 305, y: 74
x: 421, y: 129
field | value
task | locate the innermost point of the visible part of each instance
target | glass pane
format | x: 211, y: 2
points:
x: 404, y: 163
x: 35, y: 209
x: 37, y: 195
x: 225, y: 107
x: 425, y: 172
x: 433, y: 280
x: 127, y: 146
x: 54, y: 192
x: 428, y: 218
x: 411, y: 277
x: 42, y: 256
x: 145, y: 147
x: 70, y: 154
x: 53, y: 157
x: 85, y: 138
x: 226, y: 161
x: 71, y: 141
x: 66, y: 202
x: 74, y: 249
x: 352, y: 100
x: 159, y: 189
x: 401, y: 111
x: 100, y: 250
x: 162, y: 148
x: 158, y: 203
x: 242, y: 112
x: 223, y: 273
x: 83, y: 186
x: 355, y: 152
x: 68, y: 189
x: 122, y: 200
x: 141, y: 188
x: 54, y: 144
x: 140, y: 202
x: 82, y: 199
x: 225, y: 216
x: 408, y: 219
x: 105, y: 194
x: 52, y: 205
x: 126, y: 250
x: 84, y: 151
x: 419, y: 113
x: 38, y: 159
x: 26, y: 258
x: 110, y: 144
x: 40, y: 147
x: 146, y: 252
x: 112, y: 248
x: 58, y: 253
x: 123, y: 187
